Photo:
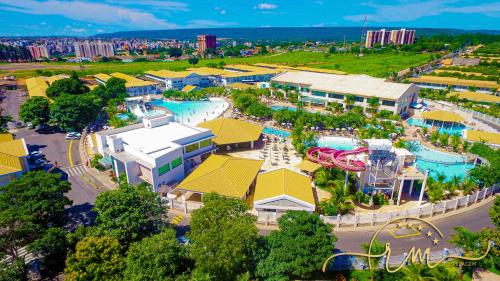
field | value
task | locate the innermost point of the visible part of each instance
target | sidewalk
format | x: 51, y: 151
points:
x: 103, y: 179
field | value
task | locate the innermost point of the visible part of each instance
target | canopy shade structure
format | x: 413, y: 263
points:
x: 308, y: 166
x: 443, y: 116
x: 224, y: 175
x: 479, y: 136
x: 231, y: 131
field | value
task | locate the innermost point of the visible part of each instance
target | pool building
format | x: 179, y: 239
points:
x: 13, y: 158
x: 157, y: 151
x: 133, y: 85
x: 457, y: 84
x: 232, y: 133
x: 323, y: 88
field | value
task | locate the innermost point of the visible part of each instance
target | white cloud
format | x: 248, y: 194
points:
x: 89, y: 12
x: 100, y: 30
x: 156, y: 4
x: 220, y: 10
x: 78, y: 30
x: 266, y: 6
x: 208, y: 23
x: 408, y: 11
x: 318, y: 25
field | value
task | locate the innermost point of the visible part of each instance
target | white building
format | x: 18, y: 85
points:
x: 158, y: 151
x: 173, y: 80
x: 324, y: 88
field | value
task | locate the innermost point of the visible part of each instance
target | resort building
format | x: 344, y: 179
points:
x: 231, y: 133
x: 177, y: 80
x: 324, y: 88
x: 37, y: 86
x: 490, y: 138
x: 475, y: 96
x: 441, y: 83
x: 13, y: 158
x: 280, y: 190
x: 442, y: 118
x: 134, y: 86
x: 225, y: 175
x: 157, y: 151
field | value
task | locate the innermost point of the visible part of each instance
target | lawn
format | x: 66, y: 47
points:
x: 379, y: 64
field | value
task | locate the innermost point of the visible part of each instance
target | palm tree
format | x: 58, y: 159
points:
x: 468, y: 185
x: 374, y: 103
x: 465, y: 145
x: 349, y: 101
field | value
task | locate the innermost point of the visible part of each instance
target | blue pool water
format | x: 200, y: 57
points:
x: 438, y: 162
x: 455, y: 130
x: 193, y: 112
x: 280, y: 107
x: 276, y: 132
x: 338, y: 143
x: 122, y: 116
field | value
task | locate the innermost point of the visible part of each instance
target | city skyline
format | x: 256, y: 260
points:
x: 83, y: 18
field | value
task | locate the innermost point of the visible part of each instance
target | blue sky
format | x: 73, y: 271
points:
x: 88, y: 17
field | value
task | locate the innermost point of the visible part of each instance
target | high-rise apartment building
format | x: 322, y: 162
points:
x: 38, y: 52
x: 205, y: 42
x: 393, y: 37
x: 93, y: 49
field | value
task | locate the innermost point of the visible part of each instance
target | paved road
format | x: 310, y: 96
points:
x: 10, y: 104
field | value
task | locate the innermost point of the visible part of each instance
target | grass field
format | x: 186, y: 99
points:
x: 379, y: 65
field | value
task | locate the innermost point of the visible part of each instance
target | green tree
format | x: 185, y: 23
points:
x: 29, y: 206
x: 35, y: 110
x: 349, y: 101
x: 174, y: 52
x: 193, y: 60
x: 298, y: 249
x: 52, y: 246
x: 374, y: 104
x: 159, y: 257
x: 129, y: 213
x: 73, y: 113
x: 4, y: 119
x: 13, y: 271
x: 223, y: 237
x: 115, y: 89
x: 71, y: 86
x: 495, y: 212
x: 96, y: 259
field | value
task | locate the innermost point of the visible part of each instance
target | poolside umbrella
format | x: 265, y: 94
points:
x: 337, y: 129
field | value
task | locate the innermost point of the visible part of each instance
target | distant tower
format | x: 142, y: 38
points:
x: 363, y: 32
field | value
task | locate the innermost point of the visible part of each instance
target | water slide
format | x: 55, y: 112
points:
x: 330, y: 158
x: 137, y: 111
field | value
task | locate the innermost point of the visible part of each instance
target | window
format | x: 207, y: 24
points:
x: 176, y: 163
x: 388, y: 103
x: 164, y: 169
x: 304, y: 89
x: 336, y: 96
x: 205, y: 143
x: 318, y: 94
x: 359, y: 99
x: 192, y: 147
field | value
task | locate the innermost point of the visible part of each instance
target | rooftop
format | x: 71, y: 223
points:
x: 362, y: 85
x: 442, y: 115
x: 225, y: 175
x: 308, y: 166
x: 11, y: 152
x: 478, y: 136
x: 130, y: 81
x: 455, y: 81
x: 475, y: 96
x: 229, y: 131
x: 155, y: 141
x: 283, y: 181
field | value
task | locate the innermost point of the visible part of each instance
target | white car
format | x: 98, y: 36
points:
x: 73, y: 136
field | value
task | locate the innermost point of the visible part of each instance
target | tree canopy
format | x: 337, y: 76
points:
x: 159, y: 257
x: 223, y: 237
x: 298, y: 249
x: 71, y: 86
x: 35, y: 110
x: 73, y: 113
x: 129, y: 213
x: 96, y: 259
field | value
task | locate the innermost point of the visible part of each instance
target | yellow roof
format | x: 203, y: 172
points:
x: 441, y: 115
x: 240, y: 86
x: 229, y: 131
x: 320, y: 70
x: 475, y: 96
x: 455, y: 81
x: 37, y: 86
x: 458, y: 71
x: 54, y: 78
x: 207, y: 70
x: 477, y: 136
x: 102, y: 76
x: 225, y: 175
x: 11, y: 152
x: 169, y: 73
x: 189, y: 88
x: 270, y: 65
x: 283, y: 182
x: 308, y: 166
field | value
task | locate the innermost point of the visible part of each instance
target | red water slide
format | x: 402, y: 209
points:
x: 330, y: 158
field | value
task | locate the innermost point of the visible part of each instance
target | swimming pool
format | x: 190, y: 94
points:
x: 276, y: 132
x: 194, y: 112
x: 122, y: 116
x: 338, y: 143
x: 280, y: 107
x: 455, y: 130
x: 438, y: 162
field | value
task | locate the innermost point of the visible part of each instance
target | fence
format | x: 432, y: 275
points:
x: 480, y: 115
x: 371, y: 219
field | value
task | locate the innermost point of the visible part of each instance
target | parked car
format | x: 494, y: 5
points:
x: 73, y: 136
x: 36, y: 153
